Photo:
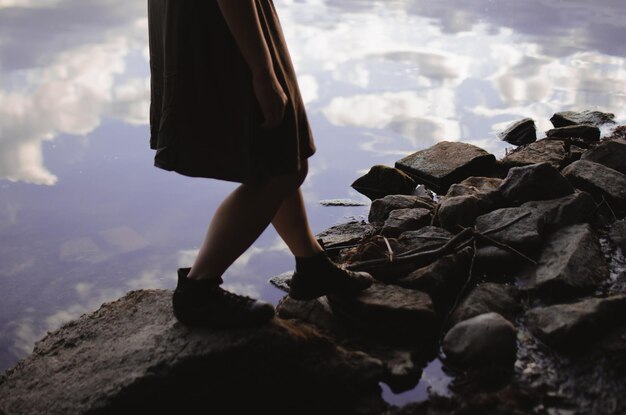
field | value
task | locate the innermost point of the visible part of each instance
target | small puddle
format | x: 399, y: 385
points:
x: 434, y: 381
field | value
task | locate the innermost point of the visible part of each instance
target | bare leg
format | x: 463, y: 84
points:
x: 239, y: 221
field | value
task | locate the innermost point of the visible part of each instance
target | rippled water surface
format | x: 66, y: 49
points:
x: 84, y: 215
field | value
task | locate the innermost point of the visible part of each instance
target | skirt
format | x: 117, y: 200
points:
x: 204, y: 116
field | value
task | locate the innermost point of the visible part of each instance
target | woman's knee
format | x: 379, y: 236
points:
x: 290, y: 182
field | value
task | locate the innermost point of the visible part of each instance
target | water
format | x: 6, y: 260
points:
x: 84, y: 215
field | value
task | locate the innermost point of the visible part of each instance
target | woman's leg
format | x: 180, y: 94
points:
x: 239, y: 221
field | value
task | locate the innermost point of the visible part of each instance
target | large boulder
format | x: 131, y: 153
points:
x: 519, y: 132
x: 588, y: 133
x: 572, y: 326
x: 571, y: 262
x: 381, y: 181
x: 565, y: 118
x: 485, y: 339
x: 541, y: 151
x: 467, y: 200
x: 485, y: 298
x: 446, y: 163
x: 132, y: 356
x: 380, y: 208
x: 599, y: 180
x: 611, y: 153
x: 408, y: 219
x: 534, y: 182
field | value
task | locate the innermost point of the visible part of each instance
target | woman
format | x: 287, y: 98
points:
x: 225, y: 104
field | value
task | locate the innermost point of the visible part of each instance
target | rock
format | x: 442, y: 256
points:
x: 408, y: 219
x: 573, y: 326
x: 446, y: 163
x: 617, y: 234
x: 586, y: 132
x: 596, y: 118
x: 556, y: 213
x: 316, y: 312
x: 426, y: 238
x: 611, y: 153
x: 485, y: 298
x: 132, y: 355
x: 467, y: 200
x: 485, y: 339
x: 598, y: 180
x: 539, y: 181
x: 618, y: 133
x: 373, y: 248
x: 398, y: 313
x: 571, y: 262
x: 282, y: 281
x: 442, y: 279
x: 519, y: 132
x: 380, y: 208
x: 381, y: 181
x: 541, y: 151
x: 342, y: 202
x: 346, y: 234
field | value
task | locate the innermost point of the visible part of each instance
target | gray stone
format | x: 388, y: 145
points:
x: 426, y: 238
x: 446, y: 163
x: 380, y: 208
x: 565, y: 118
x: 598, y: 180
x: 388, y: 310
x: 534, y: 182
x: 316, y: 312
x: 381, y: 181
x: 282, y: 281
x: 408, y: 219
x: 519, y: 132
x: 617, y: 234
x: 345, y: 234
x: 556, y: 213
x: 482, y: 340
x: 576, y: 325
x: 611, y: 153
x: 586, y: 132
x: 571, y: 262
x: 132, y: 355
x: 474, y: 185
x: 541, y: 151
x: 485, y: 298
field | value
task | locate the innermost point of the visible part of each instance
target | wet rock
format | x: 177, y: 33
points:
x: 401, y: 220
x: 571, y: 262
x: 596, y: 118
x: 380, y: 208
x: 485, y: 298
x: 381, y: 181
x: 598, y: 180
x: 519, y: 132
x: 618, y: 133
x: 342, y: 202
x: 442, y: 279
x: 346, y: 234
x: 541, y: 151
x: 467, y: 200
x: 482, y: 340
x: 387, y: 310
x: 586, y: 132
x: 131, y: 355
x: 426, y: 238
x: 611, y: 153
x: 576, y: 325
x: 534, y: 182
x: 617, y: 234
x: 446, y: 163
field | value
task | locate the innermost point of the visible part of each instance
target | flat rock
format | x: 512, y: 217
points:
x: 381, y: 181
x: 446, y: 163
x: 586, y: 132
x: 380, y: 208
x: 539, y: 181
x: 565, y: 118
x: 345, y: 234
x: 408, y: 219
x: 426, y: 238
x: 399, y: 313
x: 598, y: 180
x: 571, y: 262
x: 519, y: 132
x: 132, y: 355
x: 485, y: 339
x: 485, y: 298
x: 474, y: 185
x: 611, y: 153
x: 541, y: 151
x: 282, y: 281
x: 316, y: 312
x: 575, y: 325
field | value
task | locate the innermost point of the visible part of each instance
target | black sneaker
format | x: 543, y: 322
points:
x: 204, y: 303
x: 318, y: 275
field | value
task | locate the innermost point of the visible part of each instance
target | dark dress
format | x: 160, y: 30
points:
x: 204, y: 116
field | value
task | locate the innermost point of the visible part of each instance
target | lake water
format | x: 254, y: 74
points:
x: 86, y: 217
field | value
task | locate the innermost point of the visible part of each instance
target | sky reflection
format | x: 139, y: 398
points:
x: 85, y: 217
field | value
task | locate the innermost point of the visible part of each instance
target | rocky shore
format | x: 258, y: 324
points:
x: 510, y: 271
